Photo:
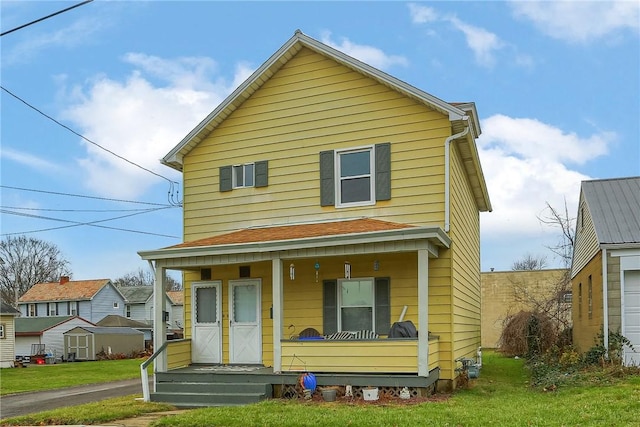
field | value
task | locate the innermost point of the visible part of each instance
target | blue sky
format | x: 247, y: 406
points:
x: 556, y: 86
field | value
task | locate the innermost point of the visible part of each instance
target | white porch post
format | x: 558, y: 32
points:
x: 276, y: 284
x: 159, y: 325
x: 423, y: 313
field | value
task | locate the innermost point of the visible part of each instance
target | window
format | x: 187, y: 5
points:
x: 565, y: 297
x: 33, y: 310
x: 355, y: 177
x: 73, y: 308
x: 116, y: 304
x: 580, y: 301
x: 2, y: 336
x: 243, y: 176
x: 356, y: 304
x: 590, y: 298
x: 52, y: 308
x: 127, y: 308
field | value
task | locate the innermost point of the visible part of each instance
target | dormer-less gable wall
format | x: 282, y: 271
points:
x: 314, y: 105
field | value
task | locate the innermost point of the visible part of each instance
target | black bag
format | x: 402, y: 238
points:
x: 404, y: 329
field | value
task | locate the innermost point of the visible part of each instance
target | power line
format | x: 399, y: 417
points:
x: 77, y: 223
x: 46, y: 17
x: 86, y: 197
x: 72, y: 210
x: 85, y: 138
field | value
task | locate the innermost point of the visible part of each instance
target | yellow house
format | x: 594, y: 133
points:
x: 8, y: 315
x: 325, y: 197
x: 605, y: 274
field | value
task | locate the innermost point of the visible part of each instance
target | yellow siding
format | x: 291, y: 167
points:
x: 178, y: 354
x: 586, y: 328
x: 465, y: 264
x: 357, y: 356
x: 312, y: 104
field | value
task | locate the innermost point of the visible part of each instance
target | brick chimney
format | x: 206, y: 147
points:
x: 64, y: 279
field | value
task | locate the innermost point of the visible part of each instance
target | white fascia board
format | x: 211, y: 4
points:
x: 414, y: 233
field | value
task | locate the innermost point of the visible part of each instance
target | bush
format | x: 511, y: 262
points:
x: 527, y: 334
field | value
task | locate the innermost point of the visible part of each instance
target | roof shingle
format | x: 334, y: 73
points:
x: 70, y: 291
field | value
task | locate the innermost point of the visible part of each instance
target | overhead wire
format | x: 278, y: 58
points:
x: 45, y: 17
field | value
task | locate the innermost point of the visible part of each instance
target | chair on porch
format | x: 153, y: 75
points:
x: 309, y: 333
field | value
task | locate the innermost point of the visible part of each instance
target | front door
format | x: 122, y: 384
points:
x: 207, y: 339
x: 245, y: 328
x: 631, y: 320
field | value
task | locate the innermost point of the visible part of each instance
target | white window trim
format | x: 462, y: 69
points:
x: 116, y: 304
x: 2, y: 331
x: 339, y: 300
x: 372, y: 175
x: 35, y: 310
x: 234, y: 183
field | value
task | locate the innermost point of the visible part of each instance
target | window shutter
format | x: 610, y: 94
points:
x: 225, y: 178
x: 262, y: 173
x: 327, y: 186
x: 383, y: 171
x: 330, y: 307
x: 383, y: 305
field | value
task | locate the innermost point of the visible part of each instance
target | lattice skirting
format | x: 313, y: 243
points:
x: 290, y: 391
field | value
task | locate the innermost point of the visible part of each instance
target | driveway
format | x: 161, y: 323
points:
x: 27, y: 403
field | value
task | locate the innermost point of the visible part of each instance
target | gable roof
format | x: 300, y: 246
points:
x: 76, y: 290
x: 113, y: 320
x: 37, y: 325
x: 461, y: 115
x: 176, y: 297
x: 614, y: 205
x: 97, y: 330
x: 8, y: 310
x: 136, y: 294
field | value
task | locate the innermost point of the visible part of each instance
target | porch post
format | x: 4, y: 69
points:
x: 423, y: 313
x: 159, y: 325
x: 276, y: 285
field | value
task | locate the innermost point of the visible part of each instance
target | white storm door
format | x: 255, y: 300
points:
x: 245, y: 328
x: 631, y: 317
x: 207, y: 337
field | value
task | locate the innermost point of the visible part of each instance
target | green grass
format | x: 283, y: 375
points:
x: 50, y: 377
x: 501, y: 396
x: 90, y: 413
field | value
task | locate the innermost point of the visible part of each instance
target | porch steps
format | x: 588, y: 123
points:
x: 190, y: 394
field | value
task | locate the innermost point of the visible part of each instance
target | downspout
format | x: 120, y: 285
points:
x: 447, y: 147
x: 605, y: 302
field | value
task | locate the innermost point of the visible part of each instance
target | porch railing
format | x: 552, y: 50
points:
x: 182, y: 357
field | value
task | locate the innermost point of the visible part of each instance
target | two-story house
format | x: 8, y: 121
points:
x: 139, y: 306
x: 89, y: 299
x: 605, y: 272
x: 325, y: 195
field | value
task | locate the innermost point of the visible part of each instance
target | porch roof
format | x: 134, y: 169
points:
x: 306, y: 236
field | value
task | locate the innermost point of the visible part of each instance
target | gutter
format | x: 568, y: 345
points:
x: 447, y: 195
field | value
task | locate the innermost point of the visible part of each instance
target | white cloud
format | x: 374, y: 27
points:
x: 422, y: 14
x: 525, y: 166
x: 483, y: 43
x: 29, y: 160
x: 368, y: 54
x: 580, y: 21
x: 141, y: 121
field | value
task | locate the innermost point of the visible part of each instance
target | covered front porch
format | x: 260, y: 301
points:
x: 290, y: 301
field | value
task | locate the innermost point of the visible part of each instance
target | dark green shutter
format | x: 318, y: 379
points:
x: 262, y: 173
x: 327, y: 186
x: 383, y: 305
x: 383, y: 171
x: 226, y: 184
x: 330, y: 306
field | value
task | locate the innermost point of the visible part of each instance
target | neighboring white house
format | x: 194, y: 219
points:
x: 177, y: 309
x: 7, y: 334
x: 90, y: 299
x: 139, y: 305
x: 45, y: 330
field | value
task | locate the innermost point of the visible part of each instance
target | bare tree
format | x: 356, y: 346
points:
x: 25, y: 261
x: 146, y: 278
x: 530, y: 262
x: 555, y: 218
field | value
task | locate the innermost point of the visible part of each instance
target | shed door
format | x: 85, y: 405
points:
x: 207, y: 339
x: 631, y: 321
x: 245, y: 328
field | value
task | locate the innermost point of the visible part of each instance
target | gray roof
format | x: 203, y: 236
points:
x: 108, y: 331
x: 113, y: 320
x: 8, y: 310
x: 614, y: 205
x: 136, y: 294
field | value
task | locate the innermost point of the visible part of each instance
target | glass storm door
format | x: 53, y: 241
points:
x: 207, y: 337
x: 245, y: 331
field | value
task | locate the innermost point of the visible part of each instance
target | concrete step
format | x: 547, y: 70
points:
x: 213, y: 387
x: 195, y: 400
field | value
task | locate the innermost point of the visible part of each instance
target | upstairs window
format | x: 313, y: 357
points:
x: 243, y: 175
x: 32, y: 310
x: 355, y: 177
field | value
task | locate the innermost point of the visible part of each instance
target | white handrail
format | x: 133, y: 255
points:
x: 145, y: 375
